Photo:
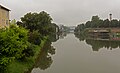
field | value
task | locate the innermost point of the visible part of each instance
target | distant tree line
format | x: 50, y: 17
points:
x: 96, y: 22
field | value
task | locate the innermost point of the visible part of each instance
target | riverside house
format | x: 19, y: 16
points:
x: 4, y: 16
x: 111, y: 33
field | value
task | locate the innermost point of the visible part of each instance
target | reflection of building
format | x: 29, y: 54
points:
x: 61, y: 28
x: 98, y: 42
x: 112, y: 33
x: 4, y: 16
x: 62, y: 35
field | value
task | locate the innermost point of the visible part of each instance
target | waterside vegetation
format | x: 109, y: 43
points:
x: 21, y: 42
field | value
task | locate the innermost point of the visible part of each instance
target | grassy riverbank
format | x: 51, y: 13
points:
x: 23, y: 66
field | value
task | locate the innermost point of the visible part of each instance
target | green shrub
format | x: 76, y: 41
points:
x: 29, y: 51
x: 35, y: 37
x: 13, y: 41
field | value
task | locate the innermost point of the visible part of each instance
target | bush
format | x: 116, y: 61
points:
x: 13, y: 41
x: 35, y: 37
x: 29, y: 51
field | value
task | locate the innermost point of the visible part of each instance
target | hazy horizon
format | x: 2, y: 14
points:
x: 67, y: 12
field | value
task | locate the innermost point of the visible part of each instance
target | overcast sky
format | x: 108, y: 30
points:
x: 68, y: 12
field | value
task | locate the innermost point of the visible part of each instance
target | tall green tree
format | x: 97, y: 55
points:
x: 37, y: 21
x: 95, y: 21
x: 95, y: 18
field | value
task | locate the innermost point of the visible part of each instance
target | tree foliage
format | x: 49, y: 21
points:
x: 37, y: 21
x: 35, y: 37
x: 96, y: 22
x: 13, y: 41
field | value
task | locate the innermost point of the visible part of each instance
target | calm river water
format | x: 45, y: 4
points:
x: 70, y: 54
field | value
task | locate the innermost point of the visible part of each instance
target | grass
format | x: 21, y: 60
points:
x: 23, y: 66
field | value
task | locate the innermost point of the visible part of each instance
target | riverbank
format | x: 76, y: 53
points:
x: 24, y: 66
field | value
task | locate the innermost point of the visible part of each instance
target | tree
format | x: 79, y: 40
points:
x: 82, y: 27
x: 37, y: 21
x: 94, y: 21
x: 95, y: 18
x: 100, y: 23
x: 88, y: 24
x: 114, y: 23
x: 106, y: 23
x: 29, y: 21
x: 35, y: 37
x: 119, y: 23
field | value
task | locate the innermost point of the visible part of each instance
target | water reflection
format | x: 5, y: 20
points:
x: 45, y: 60
x: 99, y: 42
x: 62, y: 35
x: 80, y: 36
x: 55, y: 37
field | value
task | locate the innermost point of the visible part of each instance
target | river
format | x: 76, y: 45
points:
x: 70, y: 54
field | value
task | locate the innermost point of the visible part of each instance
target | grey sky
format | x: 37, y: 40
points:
x: 68, y: 12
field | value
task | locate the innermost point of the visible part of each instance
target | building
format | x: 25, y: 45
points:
x: 104, y: 33
x: 4, y: 16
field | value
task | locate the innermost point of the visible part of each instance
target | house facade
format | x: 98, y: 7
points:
x: 4, y: 16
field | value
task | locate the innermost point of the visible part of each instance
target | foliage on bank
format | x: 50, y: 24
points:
x: 13, y: 43
x: 24, y: 66
x: 21, y: 43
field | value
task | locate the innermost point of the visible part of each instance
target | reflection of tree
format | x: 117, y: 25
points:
x: 63, y: 35
x: 52, y: 50
x: 81, y: 36
x: 54, y: 37
x: 45, y: 60
x: 98, y: 44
